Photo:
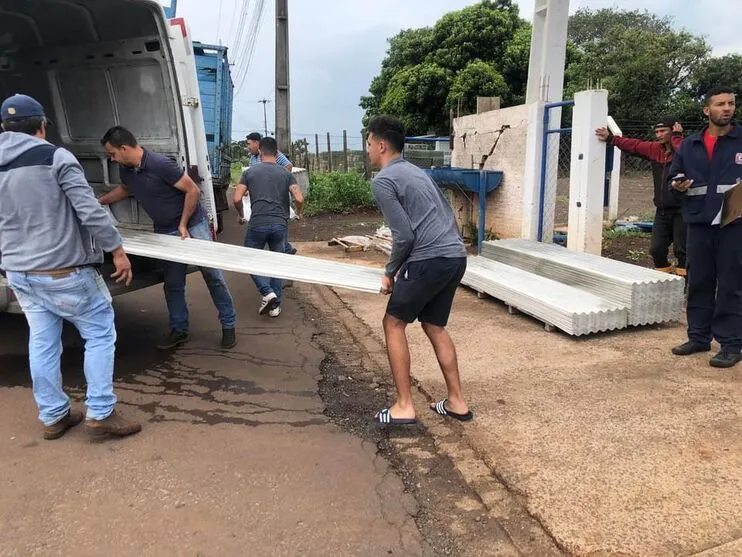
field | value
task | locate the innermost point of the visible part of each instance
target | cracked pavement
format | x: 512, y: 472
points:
x: 236, y: 457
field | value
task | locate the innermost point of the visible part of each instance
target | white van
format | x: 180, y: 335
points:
x: 98, y: 63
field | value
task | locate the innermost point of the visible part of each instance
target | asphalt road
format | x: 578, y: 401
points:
x: 236, y: 456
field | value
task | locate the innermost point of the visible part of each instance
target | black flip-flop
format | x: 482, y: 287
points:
x: 384, y: 417
x: 440, y: 408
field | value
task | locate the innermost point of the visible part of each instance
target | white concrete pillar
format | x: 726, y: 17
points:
x: 615, y: 182
x: 587, y: 173
x: 532, y: 174
x: 545, y: 84
x: 548, y: 51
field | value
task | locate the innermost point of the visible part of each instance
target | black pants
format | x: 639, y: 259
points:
x: 669, y: 228
x: 425, y: 290
x: 715, y: 285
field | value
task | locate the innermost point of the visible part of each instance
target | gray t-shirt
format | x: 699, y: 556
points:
x: 421, y: 220
x: 268, y: 185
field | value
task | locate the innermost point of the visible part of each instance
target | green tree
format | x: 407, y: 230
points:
x: 642, y: 61
x: 423, y: 65
x: 715, y: 72
x: 712, y: 72
x: 514, y: 64
x: 478, y: 78
x: 417, y: 95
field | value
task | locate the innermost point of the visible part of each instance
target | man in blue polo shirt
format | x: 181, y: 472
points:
x: 171, y: 199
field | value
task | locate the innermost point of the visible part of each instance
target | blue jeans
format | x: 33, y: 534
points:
x: 175, y: 280
x: 275, y: 236
x: 82, y: 298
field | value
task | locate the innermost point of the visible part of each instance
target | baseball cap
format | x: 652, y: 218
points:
x: 254, y: 136
x: 19, y: 107
x: 665, y: 122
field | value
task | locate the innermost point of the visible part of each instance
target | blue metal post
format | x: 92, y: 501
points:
x: 544, y: 145
x: 482, y: 208
x: 608, y: 170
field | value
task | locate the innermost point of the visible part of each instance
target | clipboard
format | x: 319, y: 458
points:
x: 731, y: 209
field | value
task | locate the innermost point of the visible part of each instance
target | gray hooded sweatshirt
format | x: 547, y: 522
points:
x: 49, y: 216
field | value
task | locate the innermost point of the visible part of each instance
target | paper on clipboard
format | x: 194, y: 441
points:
x: 731, y: 209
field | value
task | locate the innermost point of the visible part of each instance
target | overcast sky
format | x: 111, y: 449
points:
x: 337, y: 47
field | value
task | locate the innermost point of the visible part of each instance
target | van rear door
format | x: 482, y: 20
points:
x: 99, y: 63
x: 193, y: 118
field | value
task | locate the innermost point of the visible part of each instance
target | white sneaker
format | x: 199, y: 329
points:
x: 270, y: 301
x: 275, y: 312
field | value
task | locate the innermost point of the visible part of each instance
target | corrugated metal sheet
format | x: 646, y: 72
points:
x: 650, y: 296
x: 570, y: 309
x: 253, y: 262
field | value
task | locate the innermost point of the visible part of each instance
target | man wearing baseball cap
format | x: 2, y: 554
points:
x: 669, y: 226
x: 53, y: 234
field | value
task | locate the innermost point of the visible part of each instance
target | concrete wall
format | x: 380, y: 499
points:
x: 473, y: 137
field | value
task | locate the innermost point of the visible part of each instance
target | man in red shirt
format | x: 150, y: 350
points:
x: 669, y: 226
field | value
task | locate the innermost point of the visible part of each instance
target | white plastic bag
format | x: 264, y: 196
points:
x: 246, y: 208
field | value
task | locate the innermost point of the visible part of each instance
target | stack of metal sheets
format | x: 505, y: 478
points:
x: 574, y: 311
x: 252, y: 261
x: 649, y: 296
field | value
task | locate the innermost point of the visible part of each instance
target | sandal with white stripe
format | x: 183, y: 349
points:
x: 440, y: 408
x: 384, y: 417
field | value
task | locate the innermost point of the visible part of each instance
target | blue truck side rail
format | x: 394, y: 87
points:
x: 217, y: 96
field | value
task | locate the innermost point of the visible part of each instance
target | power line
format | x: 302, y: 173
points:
x: 249, y: 48
x: 239, y: 38
x: 236, y: 9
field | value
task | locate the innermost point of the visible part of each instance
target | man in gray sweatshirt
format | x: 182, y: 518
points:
x: 53, y: 234
x: 428, y: 261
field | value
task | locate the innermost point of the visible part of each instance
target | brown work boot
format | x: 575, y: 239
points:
x: 55, y: 431
x: 112, y: 426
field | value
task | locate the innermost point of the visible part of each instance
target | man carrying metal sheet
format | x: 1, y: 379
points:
x: 52, y: 237
x: 271, y: 188
x: 428, y: 260
x: 669, y: 226
x: 253, y: 149
x: 706, y: 167
x: 171, y: 199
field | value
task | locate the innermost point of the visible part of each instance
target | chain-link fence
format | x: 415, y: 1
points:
x: 347, y: 153
x: 328, y: 152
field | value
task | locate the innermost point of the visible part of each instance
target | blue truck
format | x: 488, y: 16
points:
x: 217, y: 96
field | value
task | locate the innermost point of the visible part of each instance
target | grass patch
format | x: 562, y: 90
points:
x: 236, y: 173
x: 615, y: 233
x: 337, y: 192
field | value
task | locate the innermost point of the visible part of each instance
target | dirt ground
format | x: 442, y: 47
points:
x: 325, y: 227
x: 614, y: 447
x: 630, y: 249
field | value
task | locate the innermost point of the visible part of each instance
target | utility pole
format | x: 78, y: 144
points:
x: 283, y: 92
x: 265, y: 116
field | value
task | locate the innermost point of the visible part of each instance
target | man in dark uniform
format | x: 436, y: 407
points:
x: 706, y: 166
x: 669, y: 226
x: 171, y: 199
